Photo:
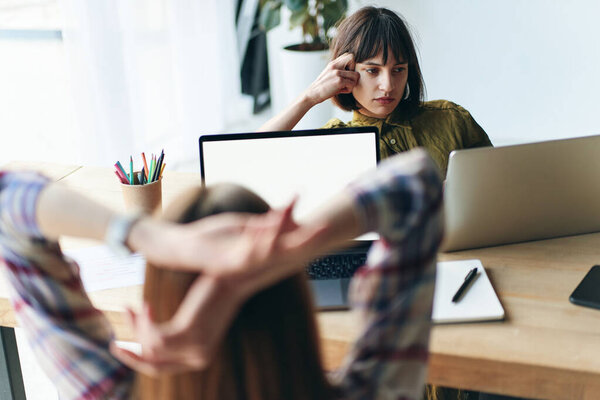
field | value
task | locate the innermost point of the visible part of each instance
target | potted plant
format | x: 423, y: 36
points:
x: 293, y: 66
x: 317, y: 18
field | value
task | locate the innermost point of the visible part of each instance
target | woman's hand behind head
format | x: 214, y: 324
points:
x: 187, y: 341
x: 237, y: 255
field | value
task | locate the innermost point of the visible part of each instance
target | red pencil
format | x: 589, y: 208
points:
x: 120, y: 178
x: 121, y: 171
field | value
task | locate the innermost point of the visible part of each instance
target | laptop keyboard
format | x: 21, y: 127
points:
x: 335, y: 266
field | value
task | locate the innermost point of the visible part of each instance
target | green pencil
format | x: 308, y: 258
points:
x: 152, y: 166
x: 130, y: 170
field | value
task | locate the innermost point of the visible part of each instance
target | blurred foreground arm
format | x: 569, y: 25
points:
x: 70, y: 337
x: 393, y: 292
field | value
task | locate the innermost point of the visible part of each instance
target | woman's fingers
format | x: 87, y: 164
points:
x: 348, y: 76
x: 345, y: 62
x: 351, y: 65
x: 154, y: 367
x: 349, y: 79
x: 131, y: 318
x: 353, y: 75
x: 133, y: 360
x: 286, y: 222
x: 345, y: 80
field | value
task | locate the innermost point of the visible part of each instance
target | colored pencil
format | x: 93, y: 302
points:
x: 131, y: 169
x: 120, y: 168
x: 160, y: 163
x: 162, y: 160
x: 120, y: 174
x: 161, y: 170
x: 145, y: 164
x: 157, y: 169
x: 122, y: 180
x: 118, y: 165
x: 154, y: 169
x: 152, y: 166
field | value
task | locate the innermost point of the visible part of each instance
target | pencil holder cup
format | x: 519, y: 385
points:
x: 147, y: 198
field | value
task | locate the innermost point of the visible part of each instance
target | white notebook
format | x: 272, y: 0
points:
x: 478, y: 303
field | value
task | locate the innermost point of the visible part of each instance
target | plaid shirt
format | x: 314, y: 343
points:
x: 393, y: 292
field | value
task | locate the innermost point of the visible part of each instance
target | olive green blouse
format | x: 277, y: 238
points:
x: 439, y: 126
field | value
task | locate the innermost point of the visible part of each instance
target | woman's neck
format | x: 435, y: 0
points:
x: 369, y: 115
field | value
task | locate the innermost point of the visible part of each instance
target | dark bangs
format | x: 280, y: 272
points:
x: 379, y: 35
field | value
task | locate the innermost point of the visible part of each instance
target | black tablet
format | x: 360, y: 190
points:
x: 587, y: 293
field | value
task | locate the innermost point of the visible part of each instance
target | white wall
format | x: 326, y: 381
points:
x: 36, y: 112
x: 527, y: 70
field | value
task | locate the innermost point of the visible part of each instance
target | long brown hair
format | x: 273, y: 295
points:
x: 368, y: 32
x: 271, y: 350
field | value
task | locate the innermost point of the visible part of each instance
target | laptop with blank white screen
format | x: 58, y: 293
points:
x: 313, y: 164
x: 522, y: 192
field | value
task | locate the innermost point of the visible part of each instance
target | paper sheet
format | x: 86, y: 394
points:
x: 479, y: 302
x: 101, y: 269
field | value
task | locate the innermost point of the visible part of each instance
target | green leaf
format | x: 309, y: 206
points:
x: 269, y: 3
x: 310, y: 28
x: 296, y: 5
x: 332, y: 12
x: 270, y: 15
x: 298, y: 17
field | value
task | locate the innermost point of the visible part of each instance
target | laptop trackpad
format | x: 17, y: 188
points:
x: 330, y: 293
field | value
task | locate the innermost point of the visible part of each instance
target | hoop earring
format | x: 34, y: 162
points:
x: 406, y: 92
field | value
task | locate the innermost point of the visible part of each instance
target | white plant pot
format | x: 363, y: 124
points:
x: 290, y: 73
x: 300, y: 69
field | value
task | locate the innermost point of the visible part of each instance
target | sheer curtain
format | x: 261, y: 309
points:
x: 150, y: 74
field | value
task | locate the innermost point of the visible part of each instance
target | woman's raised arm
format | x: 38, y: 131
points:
x: 338, y: 77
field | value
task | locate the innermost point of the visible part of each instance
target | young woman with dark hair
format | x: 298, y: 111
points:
x: 375, y: 73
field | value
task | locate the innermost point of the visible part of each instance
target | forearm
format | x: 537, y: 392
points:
x: 62, y: 211
x: 288, y: 118
x: 338, y: 222
x: 392, y: 201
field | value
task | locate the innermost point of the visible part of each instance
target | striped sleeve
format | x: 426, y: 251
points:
x: 19, y: 195
x: 393, y: 293
x: 68, y: 336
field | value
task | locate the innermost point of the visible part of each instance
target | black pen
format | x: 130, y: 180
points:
x: 472, y: 273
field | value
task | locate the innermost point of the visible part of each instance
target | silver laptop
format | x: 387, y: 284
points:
x: 524, y: 192
x: 313, y: 164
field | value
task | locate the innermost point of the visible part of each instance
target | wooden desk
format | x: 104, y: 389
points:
x: 546, y: 348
